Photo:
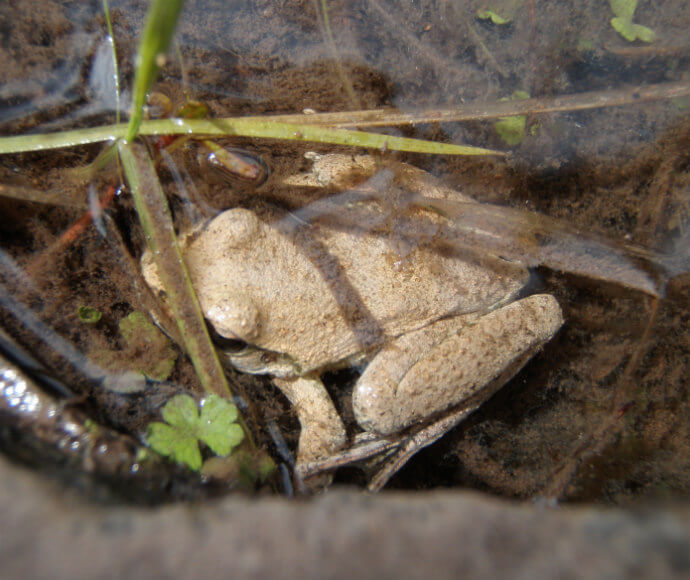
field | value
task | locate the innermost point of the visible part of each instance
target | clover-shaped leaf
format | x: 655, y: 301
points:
x: 217, y: 425
x: 178, y: 438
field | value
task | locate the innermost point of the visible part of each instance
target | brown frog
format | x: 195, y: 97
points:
x: 302, y: 294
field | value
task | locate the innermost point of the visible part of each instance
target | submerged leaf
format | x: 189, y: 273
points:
x: 622, y: 23
x: 88, y: 314
x: 175, y: 443
x: 493, y: 16
x: 512, y: 129
x: 181, y: 411
x: 623, y: 8
x: 150, y: 351
x: 631, y: 31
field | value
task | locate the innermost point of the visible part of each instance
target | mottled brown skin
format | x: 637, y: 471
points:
x: 308, y: 296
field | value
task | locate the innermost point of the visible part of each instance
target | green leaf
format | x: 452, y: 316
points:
x: 179, y: 445
x: 643, y: 33
x: 217, y: 426
x: 512, y: 129
x: 631, y: 31
x: 88, y: 314
x: 181, y: 411
x: 178, y: 437
x: 622, y: 23
x: 519, y: 95
x: 493, y: 16
x: 624, y: 9
x: 240, y: 127
x: 155, y: 39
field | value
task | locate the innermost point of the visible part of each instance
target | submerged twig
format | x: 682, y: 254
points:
x: 493, y: 110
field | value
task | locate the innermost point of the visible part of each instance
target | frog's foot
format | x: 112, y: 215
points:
x: 413, y: 443
x: 384, y: 456
x: 323, y: 432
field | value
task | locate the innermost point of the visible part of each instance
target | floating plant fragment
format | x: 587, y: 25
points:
x: 622, y: 22
x: 500, y: 12
x: 512, y: 129
x: 88, y: 315
x: 493, y: 16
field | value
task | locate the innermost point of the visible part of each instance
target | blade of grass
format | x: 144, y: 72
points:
x: 241, y: 127
x: 156, y: 220
x: 155, y: 40
x: 113, y: 50
x: 297, y: 126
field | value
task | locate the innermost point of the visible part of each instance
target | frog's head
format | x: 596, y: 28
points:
x: 236, y: 323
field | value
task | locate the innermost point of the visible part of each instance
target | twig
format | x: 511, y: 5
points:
x: 492, y: 110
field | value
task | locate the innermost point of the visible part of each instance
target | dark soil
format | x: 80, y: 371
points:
x: 602, y: 413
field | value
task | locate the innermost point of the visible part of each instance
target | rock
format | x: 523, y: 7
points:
x: 48, y: 531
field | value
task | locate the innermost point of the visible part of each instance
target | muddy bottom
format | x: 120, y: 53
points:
x: 600, y: 414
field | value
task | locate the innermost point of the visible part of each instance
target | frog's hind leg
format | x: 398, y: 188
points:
x: 426, y: 382
x: 383, y: 456
x: 415, y: 442
x: 496, y: 345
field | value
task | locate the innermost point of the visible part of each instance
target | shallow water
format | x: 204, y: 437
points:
x: 601, y: 413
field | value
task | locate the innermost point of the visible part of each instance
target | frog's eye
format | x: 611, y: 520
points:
x: 235, y: 319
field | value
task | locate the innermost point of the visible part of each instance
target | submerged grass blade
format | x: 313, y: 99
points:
x: 240, y: 127
x: 303, y: 126
x: 156, y: 221
x: 113, y: 50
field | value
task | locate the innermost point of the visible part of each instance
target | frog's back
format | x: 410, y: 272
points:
x: 407, y: 283
x: 323, y: 294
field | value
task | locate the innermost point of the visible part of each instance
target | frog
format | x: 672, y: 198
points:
x: 343, y: 283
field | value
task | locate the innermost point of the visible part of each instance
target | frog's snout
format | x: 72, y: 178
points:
x: 235, y: 319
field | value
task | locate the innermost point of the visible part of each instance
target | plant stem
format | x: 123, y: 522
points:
x: 156, y: 221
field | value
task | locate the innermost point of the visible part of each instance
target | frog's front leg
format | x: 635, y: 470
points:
x: 451, y: 366
x: 322, y: 430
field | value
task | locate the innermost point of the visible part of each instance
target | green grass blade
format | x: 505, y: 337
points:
x: 241, y: 127
x: 156, y: 221
x: 155, y: 40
